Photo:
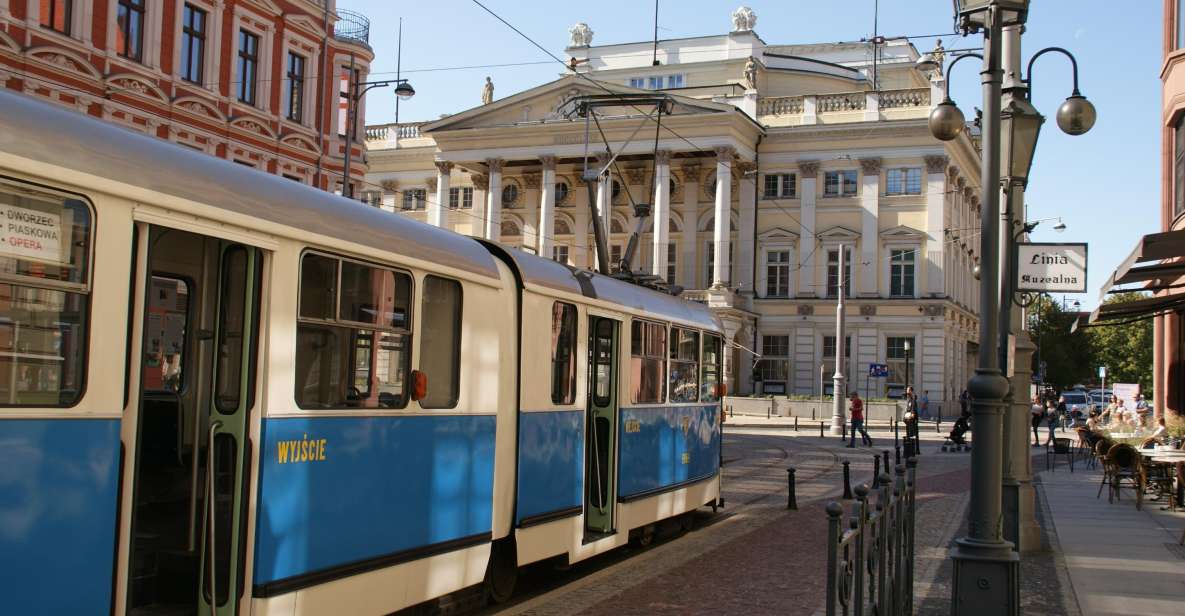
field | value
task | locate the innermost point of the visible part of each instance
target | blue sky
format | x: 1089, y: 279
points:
x: 1105, y: 184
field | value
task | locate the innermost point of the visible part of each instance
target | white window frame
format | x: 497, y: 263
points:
x: 246, y: 20
x: 212, y: 59
x: 788, y: 358
x: 853, y: 250
x: 153, y: 18
x: 636, y: 82
x: 887, y: 268
x: 763, y: 267
x: 842, y: 184
x: 709, y: 266
x: 914, y: 368
x: 81, y: 18
x: 904, y: 171
x: 849, y: 367
x: 558, y: 250
x: 675, y: 76
x: 294, y: 43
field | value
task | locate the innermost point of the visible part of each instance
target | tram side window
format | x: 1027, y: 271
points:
x: 684, y: 365
x: 563, y: 352
x: 648, y: 365
x: 353, y: 337
x: 45, y: 251
x: 440, y: 342
x: 710, y: 376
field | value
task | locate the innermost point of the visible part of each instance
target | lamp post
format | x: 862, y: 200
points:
x: 403, y: 91
x: 986, y: 569
x: 907, y: 349
x: 837, y: 383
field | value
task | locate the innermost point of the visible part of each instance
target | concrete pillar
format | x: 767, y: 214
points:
x: 747, y: 208
x: 808, y: 170
x: 662, y: 212
x: 935, y: 188
x: 481, y: 185
x: 547, y: 207
x: 691, y: 177
x: 867, y: 262
x: 494, y: 200
x: 437, y: 210
x: 723, y: 221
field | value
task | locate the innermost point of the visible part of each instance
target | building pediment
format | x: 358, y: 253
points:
x: 553, y: 102
x: 903, y: 233
x: 778, y: 235
x: 839, y: 234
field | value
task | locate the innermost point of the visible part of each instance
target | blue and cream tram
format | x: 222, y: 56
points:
x: 223, y: 392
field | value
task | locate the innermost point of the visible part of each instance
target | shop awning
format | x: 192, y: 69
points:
x: 1156, y: 264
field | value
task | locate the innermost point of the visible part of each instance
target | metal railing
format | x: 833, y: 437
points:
x: 352, y: 27
x: 870, y: 565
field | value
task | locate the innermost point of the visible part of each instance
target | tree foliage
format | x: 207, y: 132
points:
x: 1066, y: 356
x: 1126, y: 350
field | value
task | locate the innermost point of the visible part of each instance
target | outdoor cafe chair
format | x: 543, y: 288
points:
x: 1061, y: 447
x: 1125, y: 466
x: 1083, y: 441
x: 1100, y: 451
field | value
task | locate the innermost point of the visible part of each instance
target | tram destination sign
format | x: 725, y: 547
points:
x: 1059, y: 268
x: 30, y: 234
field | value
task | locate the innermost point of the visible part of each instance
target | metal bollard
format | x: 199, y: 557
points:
x: 885, y: 453
x: 769, y: 410
x: 938, y: 425
x: 897, y: 456
x: 845, y: 432
x: 791, y: 499
x: 821, y: 429
x: 847, y: 481
x: 796, y: 423
x: 876, y: 471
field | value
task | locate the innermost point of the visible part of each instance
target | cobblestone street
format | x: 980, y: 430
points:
x: 756, y: 557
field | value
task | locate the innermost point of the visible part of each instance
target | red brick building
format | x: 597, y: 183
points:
x: 258, y: 82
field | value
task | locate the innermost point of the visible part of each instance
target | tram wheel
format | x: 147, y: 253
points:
x: 502, y: 571
x: 686, y: 522
x: 645, y: 536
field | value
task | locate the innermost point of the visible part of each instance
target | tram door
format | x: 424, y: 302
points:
x: 193, y: 449
x: 601, y: 465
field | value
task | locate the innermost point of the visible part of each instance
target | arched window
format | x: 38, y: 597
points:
x: 616, y: 190
x: 509, y: 228
x: 615, y: 226
x: 509, y: 194
x: 561, y: 227
x: 561, y: 191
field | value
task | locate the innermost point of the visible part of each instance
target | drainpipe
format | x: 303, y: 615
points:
x: 753, y: 269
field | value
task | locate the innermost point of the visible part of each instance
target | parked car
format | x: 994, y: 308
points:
x: 1077, y: 401
x: 1099, y: 398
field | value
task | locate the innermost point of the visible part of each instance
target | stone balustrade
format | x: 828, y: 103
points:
x: 844, y: 101
x: 780, y: 105
x: 912, y: 97
x: 844, y: 107
x: 390, y: 135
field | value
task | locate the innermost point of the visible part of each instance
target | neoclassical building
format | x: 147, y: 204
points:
x: 258, y: 82
x: 771, y: 159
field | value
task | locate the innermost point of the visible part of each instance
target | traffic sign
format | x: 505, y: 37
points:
x: 878, y: 370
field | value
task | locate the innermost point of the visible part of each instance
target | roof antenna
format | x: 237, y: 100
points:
x: 654, y: 62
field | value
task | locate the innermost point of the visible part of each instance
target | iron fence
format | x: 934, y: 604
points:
x: 870, y: 565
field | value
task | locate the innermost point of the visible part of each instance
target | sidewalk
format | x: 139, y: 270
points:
x: 1120, y: 560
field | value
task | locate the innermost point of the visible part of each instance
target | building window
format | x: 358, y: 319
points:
x: 777, y: 273
x: 440, y: 343
x: 901, y: 272
x: 903, y: 181
x: 353, y: 335
x: 414, y: 198
x: 711, y: 265
x: 248, y: 66
x: 460, y: 197
x: 833, y: 272
x: 829, y: 362
x: 561, y: 192
x: 193, y: 43
x: 372, y: 198
x: 839, y: 183
x: 638, y: 82
x: 559, y: 253
x: 780, y: 186
x: 294, y: 93
x: 672, y: 262
x: 895, y: 357
x: 129, y: 35
x: 563, y: 353
x: 711, y: 368
x: 45, y: 295
x: 56, y: 15
x: 675, y: 81
x: 774, y: 369
x: 654, y: 83
x: 614, y: 254
x: 648, y: 362
x: 509, y: 195
x: 1179, y: 166
x: 684, y: 356
x: 509, y: 228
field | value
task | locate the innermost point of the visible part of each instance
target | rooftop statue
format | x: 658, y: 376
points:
x: 581, y: 35
x: 743, y: 19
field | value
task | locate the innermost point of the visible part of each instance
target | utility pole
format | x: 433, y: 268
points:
x: 837, y: 380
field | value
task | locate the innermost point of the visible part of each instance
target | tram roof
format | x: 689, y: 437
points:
x: 55, y: 136
x: 537, y: 271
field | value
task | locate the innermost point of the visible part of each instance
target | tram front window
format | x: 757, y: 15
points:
x: 45, y: 257
x: 352, y: 339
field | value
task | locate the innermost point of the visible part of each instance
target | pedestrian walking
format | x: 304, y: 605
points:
x: 911, y: 419
x: 924, y: 404
x: 1051, y: 421
x: 1037, y: 414
x: 1142, y: 409
x: 856, y: 412
x: 964, y: 402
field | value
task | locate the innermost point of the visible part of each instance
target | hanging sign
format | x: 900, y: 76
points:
x: 1059, y: 268
x: 31, y: 234
x: 878, y: 370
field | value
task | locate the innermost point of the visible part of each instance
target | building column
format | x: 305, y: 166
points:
x: 870, y: 190
x: 935, y: 217
x: 481, y: 186
x: 723, y: 220
x: 547, y: 207
x: 530, y: 228
x: 691, y: 175
x: 747, y: 208
x: 662, y: 212
x: 494, y: 200
x: 437, y: 211
x: 808, y: 170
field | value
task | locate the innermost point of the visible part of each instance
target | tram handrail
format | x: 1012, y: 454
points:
x: 210, y: 505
